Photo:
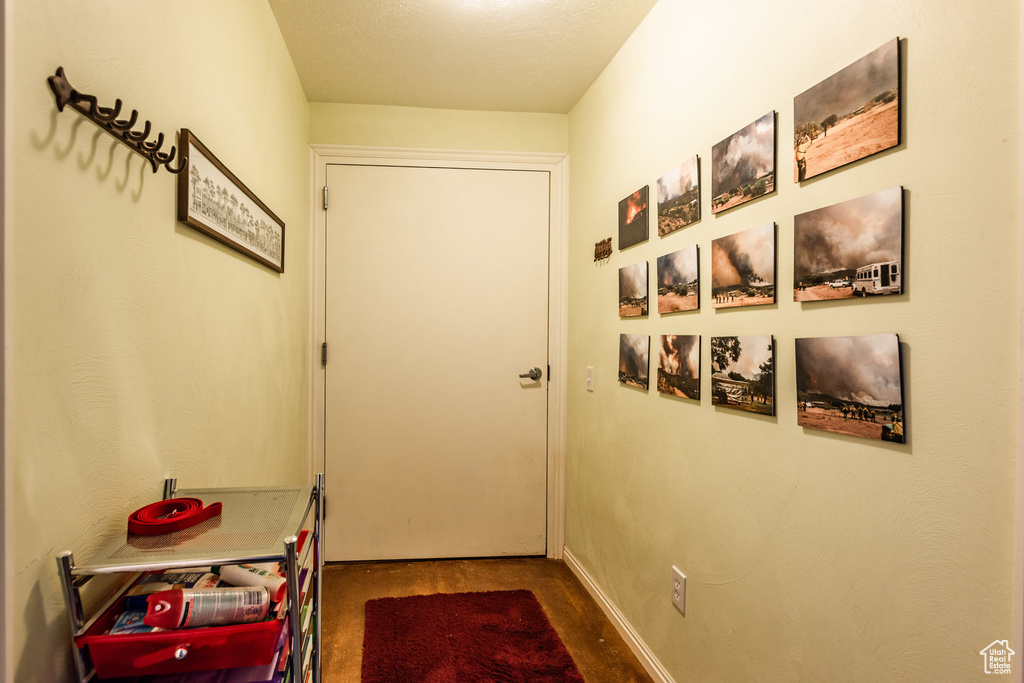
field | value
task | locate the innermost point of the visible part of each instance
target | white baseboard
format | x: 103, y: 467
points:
x: 625, y: 629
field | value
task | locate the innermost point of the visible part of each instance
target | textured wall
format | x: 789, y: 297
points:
x: 810, y: 556
x: 138, y: 347
x: 383, y: 126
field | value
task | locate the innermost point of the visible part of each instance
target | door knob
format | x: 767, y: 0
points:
x: 533, y: 374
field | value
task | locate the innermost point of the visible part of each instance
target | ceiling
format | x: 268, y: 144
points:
x: 497, y: 55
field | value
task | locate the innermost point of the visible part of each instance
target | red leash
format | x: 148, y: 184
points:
x: 167, y: 516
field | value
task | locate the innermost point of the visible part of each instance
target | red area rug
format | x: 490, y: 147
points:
x: 498, y: 637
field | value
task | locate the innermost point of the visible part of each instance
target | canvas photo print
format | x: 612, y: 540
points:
x: 850, y: 115
x: 851, y: 385
x: 679, y: 196
x: 634, y: 350
x: 633, y: 218
x: 854, y: 248
x: 743, y: 373
x: 678, y: 281
x: 679, y: 365
x: 743, y: 165
x: 633, y: 290
x: 743, y: 268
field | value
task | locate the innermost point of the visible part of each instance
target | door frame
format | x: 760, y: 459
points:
x: 557, y: 165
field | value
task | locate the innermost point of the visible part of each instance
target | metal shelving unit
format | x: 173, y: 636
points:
x: 257, y: 524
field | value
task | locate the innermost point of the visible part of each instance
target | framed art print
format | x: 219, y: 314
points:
x: 215, y: 202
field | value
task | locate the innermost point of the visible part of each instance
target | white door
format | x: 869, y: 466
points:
x: 437, y: 300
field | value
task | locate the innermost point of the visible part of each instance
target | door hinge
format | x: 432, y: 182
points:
x: 325, y: 197
x: 323, y: 354
x: 549, y: 372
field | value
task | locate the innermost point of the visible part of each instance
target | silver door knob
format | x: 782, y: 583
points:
x: 533, y: 374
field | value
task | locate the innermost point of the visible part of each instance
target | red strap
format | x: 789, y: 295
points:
x: 173, y: 514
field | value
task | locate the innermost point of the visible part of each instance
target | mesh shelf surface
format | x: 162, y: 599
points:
x: 252, y: 526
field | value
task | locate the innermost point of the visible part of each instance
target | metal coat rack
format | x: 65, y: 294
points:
x: 106, y: 118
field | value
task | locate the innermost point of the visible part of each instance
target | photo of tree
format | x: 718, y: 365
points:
x: 633, y: 218
x: 743, y: 373
x: 854, y: 248
x: 851, y: 385
x: 634, y: 366
x: 678, y: 281
x: 679, y: 365
x: 743, y: 268
x: 850, y: 115
x: 679, y: 196
x: 743, y: 165
x: 633, y: 290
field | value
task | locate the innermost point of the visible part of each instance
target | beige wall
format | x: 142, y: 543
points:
x: 137, y: 347
x: 810, y: 556
x: 382, y: 126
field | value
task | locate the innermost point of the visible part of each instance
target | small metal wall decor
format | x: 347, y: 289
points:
x: 603, y: 249
x: 106, y: 118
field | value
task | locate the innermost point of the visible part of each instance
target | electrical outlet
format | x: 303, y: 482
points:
x: 679, y: 589
x: 590, y: 378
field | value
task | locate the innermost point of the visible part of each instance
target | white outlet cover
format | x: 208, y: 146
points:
x: 679, y: 589
x: 590, y: 378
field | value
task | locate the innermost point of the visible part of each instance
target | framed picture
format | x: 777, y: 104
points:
x: 678, y: 281
x: 851, y: 385
x: 854, y: 248
x: 743, y: 268
x: 679, y: 365
x: 215, y: 202
x: 633, y: 218
x: 633, y: 290
x: 743, y: 373
x: 743, y: 165
x: 679, y: 196
x: 850, y: 115
x: 634, y: 366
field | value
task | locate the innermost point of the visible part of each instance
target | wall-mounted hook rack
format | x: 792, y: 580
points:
x: 106, y: 118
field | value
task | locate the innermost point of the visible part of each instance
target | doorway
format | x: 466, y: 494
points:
x: 435, y: 300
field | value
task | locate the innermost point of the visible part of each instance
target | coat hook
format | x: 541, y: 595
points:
x: 125, y: 125
x: 182, y: 165
x: 103, y: 114
x: 155, y: 145
x: 106, y: 118
x: 139, y: 136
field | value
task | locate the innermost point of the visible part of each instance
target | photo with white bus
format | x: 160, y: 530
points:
x: 878, y: 278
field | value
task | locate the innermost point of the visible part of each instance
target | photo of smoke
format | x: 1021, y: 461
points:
x: 743, y: 373
x: 633, y: 290
x: 679, y: 365
x: 743, y: 165
x: 850, y: 115
x: 633, y: 218
x: 854, y: 248
x: 634, y: 367
x: 743, y: 268
x: 678, y: 281
x: 851, y: 385
x: 679, y: 196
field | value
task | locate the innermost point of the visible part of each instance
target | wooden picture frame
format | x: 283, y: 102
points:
x: 214, y: 201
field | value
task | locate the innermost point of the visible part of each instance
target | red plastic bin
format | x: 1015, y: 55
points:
x: 178, y: 650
